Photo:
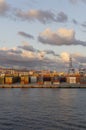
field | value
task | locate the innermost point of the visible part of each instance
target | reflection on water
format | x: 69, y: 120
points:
x: 42, y: 109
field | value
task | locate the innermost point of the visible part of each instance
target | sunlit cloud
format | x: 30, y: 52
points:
x: 4, y: 7
x: 65, y: 56
x: 60, y: 37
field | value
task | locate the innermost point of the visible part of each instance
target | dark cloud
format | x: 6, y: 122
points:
x: 31, y: 15
x: 41, y: 53
x: 42, y: 16
x: 61, y: 37
x: 75, y: 21
x: 15, y: 51
x: 62, y: 17
x: 26, y: 35
x: 27, y: 48
x: 51, y: 52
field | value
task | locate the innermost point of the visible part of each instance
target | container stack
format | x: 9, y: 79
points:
x: 2, y: 80
x: 40, y: 80
x: 62, y: 79
x: 47, y: 80
x: 55, y: 80
x: 33, y: 79
x: 83, y: 80
x: 24, y: 79
x: 71, y: 80
x: 11, y: 79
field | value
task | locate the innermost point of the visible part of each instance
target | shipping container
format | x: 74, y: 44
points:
x: 83, y: 80
x: 1, y: 80
x: 33, y: 79
x: 55, y: 80
x: 40, y: 80
x: 62, y: 79
x: 8, y: 80
x: 11, y: 79
x: 78, y: 79
x: 24, y: 79
x: 47, y: 83
x: 47, y: 78
x: 71, y: 80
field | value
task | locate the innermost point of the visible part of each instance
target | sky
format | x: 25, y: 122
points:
x: 42, y: 34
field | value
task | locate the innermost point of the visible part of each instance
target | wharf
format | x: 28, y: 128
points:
x: 62, y: 85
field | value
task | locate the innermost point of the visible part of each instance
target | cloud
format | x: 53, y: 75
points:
x: 27, y: 48
x: 76, y: 1
x: 51, y: 52
x: 40, y: 54
x: 62, y: 17
x: 60, y: 37
x: 75, y: 21
x: 42, y: 16
x: 25, y: 35
x: 83, y: 24
x: 15, y: 51
x: 77, y: 59
x: 26, y: 59
x: 4, y: 7
x: 65, y: 56
x: 80, y: 58
x: 31, y: 15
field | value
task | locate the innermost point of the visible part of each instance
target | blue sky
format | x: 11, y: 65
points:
x: 42, y: 34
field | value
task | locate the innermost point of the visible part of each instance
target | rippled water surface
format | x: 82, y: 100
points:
x: 42, y: 109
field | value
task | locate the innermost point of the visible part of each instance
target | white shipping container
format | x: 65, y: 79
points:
x: 71, y: 79
x: 55, y: 82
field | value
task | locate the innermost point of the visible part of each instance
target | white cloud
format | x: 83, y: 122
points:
x: 65, y: 33
x: 65, y: 56
x: 60, y: 37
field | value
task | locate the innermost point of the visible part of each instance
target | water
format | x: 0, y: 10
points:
x: 42, y: 109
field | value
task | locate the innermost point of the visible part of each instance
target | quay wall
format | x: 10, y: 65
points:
x: 63, y: 85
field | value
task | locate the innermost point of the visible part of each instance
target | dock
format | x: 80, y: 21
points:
x: 63, y: 85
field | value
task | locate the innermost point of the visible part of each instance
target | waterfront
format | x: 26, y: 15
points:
x: 42, y: 109
x: 62, y: 85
